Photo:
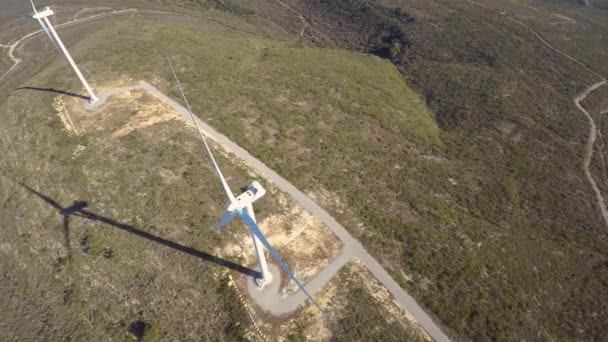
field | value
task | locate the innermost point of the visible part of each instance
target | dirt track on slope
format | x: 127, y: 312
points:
x: 13, y: 46
x: 589, y: 148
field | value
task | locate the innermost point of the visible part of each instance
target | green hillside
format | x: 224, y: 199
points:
x: 442, y: 134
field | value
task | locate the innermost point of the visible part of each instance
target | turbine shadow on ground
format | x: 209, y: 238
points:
x: 57, y: 91
x: 78, y: 209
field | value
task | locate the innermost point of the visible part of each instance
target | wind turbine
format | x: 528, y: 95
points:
x: 43, y: 20
x: 242, y: 206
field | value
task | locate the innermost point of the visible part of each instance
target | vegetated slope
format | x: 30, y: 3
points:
x: 488, y: 219
x: 353, y: 286
x: 580, y: 39
x: 137, y: 264
x: 495, y: 224
x: 500, y: 246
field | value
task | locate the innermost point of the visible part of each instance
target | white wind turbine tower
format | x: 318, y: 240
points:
x: 242, y: 206
x: 43, y: 20
x: 253, y: 193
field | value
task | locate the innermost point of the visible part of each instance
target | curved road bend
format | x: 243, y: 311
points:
x: 352, y: 247
x: 270, y: 298
x: 589, y: 149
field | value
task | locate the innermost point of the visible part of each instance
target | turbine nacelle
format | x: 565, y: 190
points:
x: 242, y: 202
x: 254, y: 192
x: 46, y: 13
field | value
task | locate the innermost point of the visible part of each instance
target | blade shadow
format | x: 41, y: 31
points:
x: 66, y: 235
x: 57, y: 91
x: 45, y: 198
x: 78, y: 210
x: 171, y: 244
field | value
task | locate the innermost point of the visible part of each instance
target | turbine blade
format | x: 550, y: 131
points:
x: 228, y: 216
x: 47, y: 199
x: 250, y: 212
x: 215, y: 165
x: 46, y: 29
x: 257, y: 232
x: 48, y: 33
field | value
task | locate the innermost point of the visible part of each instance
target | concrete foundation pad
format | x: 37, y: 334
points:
x: 103, y: 96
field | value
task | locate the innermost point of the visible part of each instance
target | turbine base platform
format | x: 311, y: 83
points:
x: 263, y: 282
x: 270, y: 298
x: 270, y: 289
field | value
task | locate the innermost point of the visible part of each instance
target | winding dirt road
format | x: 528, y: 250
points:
x: 306, y: 24
x: 589, y: 148
x: 12, y: 46
x: 562, y: 18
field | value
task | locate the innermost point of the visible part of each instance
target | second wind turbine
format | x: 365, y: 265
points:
x: 45, y: 23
